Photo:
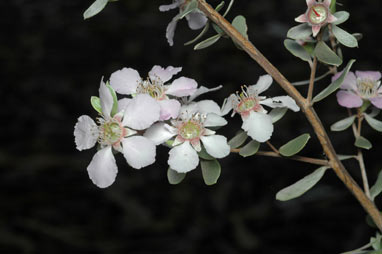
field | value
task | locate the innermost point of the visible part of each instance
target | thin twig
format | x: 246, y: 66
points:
x: 306, y: 82
x: 274, y: 149
x: 307, y: 109
x: 311, y: 80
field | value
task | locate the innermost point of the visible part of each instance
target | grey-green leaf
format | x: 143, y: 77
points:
x: 277, y: 113
x: 211, y: 171
x: 204, y: 155
x: 295, y: 145
x: 250, y: 149
x: 374, y: 123
x: 300, y: 32
x: 96, y: 103
x: 240, y: 24
x: 344, y: 37
x: 192, y: 6
x: 376, y: 189
x: 208, y: 42
x: 204, y: 30
x: 228, y: 8
x: 297, y: 50
x: 175, y: 177
x: 238, y: 140
x: 343, y: 124
x: 343, y: 157
x: 341, y: 16
x: 95, y: 8
x: 362, y: 142
x: 326, y: 55
x: 114, y: 109
x: 300, y: 187
x: 335, y: 85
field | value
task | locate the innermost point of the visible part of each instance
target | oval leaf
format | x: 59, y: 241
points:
x: 343, y: 157
x: 241, y: 25
x: 175, y: 177
x: 250, y: 149
x: 211, y: 171
x: 343, y: 124
x: 300, y: 187
x: 208, y: 42
x: 297, y: 50
x: 277, y: 113
x: 376, y: 189
x: 200, y: 35
x: 295, y: 145
x: 326, y: 55
x: 300, y: 32
x: 335, y: 85
x: 374, y: 123
x: 341, y: 16
x: 238, y: 140
x: 344, y: 37
x: 96, y: 103
x: 95, y: 8
x: 362, y: 142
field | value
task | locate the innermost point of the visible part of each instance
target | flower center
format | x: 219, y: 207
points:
x: 317, y: 14
x: 190, y: 130
x: 367, y: 88
x: 246, y: 101
x: 154, y: 88
x: 111, y: 132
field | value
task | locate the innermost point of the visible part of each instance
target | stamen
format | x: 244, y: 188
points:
x: 318, y: 15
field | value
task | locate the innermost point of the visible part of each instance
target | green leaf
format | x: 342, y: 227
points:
x: 300, y: 32
x: 376, y: 189
x: 228, y: 8
x: 204, y: 155
x: 306, y: 82
x: 204, y: 30
x: 362, y: 142
x: 297, y: 50
x: 238, y: 140
x: 300, y: 187
x: 344, y: 37
x: 218, y: 29
x: 335, y: 85
x: 332, y: 6
x: 343, y: 124
x: 96, y: 103
x: 192, y: 6
x: 95, y: 8
x: 358, y: 36
x: 240, y: 24
x: 326, y: 55
x: 277, y: 113
x: 343, y: 157
x: 114, y: 109
x: 365, y: 105
x: 341, y: 16
x: 175, y: 177
x: 220, y: 6
x: 250, y: 149
x: 295, y: 145
x: 211, y: 171
x: 374, y: 123
x: 208, y: 42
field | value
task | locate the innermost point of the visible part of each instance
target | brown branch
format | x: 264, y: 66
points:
x: 274, y: 149
x: 311, y: 80
x: 308, y: 110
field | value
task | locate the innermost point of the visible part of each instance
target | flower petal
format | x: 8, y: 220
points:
x: 182, y: 87
x: 258, y: 126
x: 316, y: 29
x: 377, y: 101
x: 138, y: 151
x: 168, y: 7
x: 125, y: 81
x: 103, y: 169
x: 262, y: 84
x: 122, y: 103
x: 216, y: 145
x: 160, y: 133
x: 348, y: 99
x: 85, y: 133
x: 208, y: 106
x: 327, y: 3
x: 331, y: 18
x: 183, y: 158
x: 162, y: 73
x: 281, y: 102
x: 350, y: 81
x: 228, y: 105
x: 106, y: 100
x: 141, y: 112
x: 202, y: 90
x: 372, y: 75
x: 169, y: 109
x: 170, y: 30
x: 302, y: 18
x: 196, y: 20
x: 214, y: 120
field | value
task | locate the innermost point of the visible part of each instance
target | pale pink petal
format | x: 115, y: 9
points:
x: 348, y: 99
x: 208, y: 106
x: 258, y: 126
x: 189, y: 109
x: 281, y: 102
x: 168, y: 7
x: 372, y: 75
x: 316, y: 29
x: 106, y: 100
x: 182, y: 87
x: 163, y: 74
x: 202, y: 90
x: 196, y: 20
x: 350, y: 81
x: 103, y: 169
x: 327, y: 3
x: 228, y: 105
x: 183, y: 158
x: 125, y: 81
x: 85, y: 133
x: 139, y: 151
x: 169, y: 109
x: 262, y: 84
x: 302, y: 18
x: 170, y: 30
x: 160, y: 133
x: 331, y: 18
x: 216, y: 145
x: 310, y: 2
x: 214, y: 120
x: 377, y: 101
x: 122, y: 103
x: 141, y: 112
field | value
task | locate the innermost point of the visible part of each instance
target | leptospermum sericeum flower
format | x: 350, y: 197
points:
x: 117, y: 132
x: 196, y: 19
x: 128, y: 81
x: 363, y: 85
x: 248, y: 104
x: 317, y: 15
x: 190, y: 129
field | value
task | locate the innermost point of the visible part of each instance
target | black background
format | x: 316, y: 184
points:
x: 51, y: 62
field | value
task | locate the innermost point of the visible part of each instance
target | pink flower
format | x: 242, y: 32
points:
x: 363, y: 85
x: 317, y: 15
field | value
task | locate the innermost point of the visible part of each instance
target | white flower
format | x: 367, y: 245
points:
x: 196, y: 19
x: 117, y: 132
x: 128, y: 81
x: 248, y: 104
x: 190, y: 131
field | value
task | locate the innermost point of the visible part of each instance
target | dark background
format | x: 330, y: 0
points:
x: 51, y: 62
